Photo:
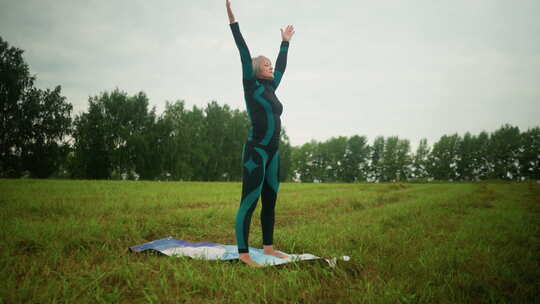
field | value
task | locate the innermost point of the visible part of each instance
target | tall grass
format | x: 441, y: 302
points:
x: 66, y: 241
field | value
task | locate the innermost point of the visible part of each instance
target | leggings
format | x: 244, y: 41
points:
x: 260, y: 178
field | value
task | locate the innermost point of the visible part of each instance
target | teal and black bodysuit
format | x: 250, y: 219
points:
x: 260, y: 157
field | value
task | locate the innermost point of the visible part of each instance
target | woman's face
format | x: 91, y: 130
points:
x: 266, y: 70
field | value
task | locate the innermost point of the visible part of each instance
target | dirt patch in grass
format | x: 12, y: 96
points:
x: 200, y: 205
x: 456, y: 207
x: 293, y: 217
x: 385, y: 199
x: 393, y: 188
x: 81, y: 244
x: 380, y: 200
x: 28, y: 247
x: 399, y: 186
x: 483, y: 197
x: 357, y: 204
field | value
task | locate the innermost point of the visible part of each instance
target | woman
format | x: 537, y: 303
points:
x: 260, y: 155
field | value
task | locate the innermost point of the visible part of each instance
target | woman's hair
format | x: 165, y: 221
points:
x: 257, y: 62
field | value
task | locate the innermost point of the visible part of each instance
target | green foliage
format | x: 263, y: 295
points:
x: 285, y: 153
x: 529, y: 159
x: 332, y: 155
x: 91, y: 158
x: 466, y: 161
x: 201, y: 144
x: 481, y: 159
x: 443, y: 158
x: 204, y: 144
x: 302, y: 160
x: 34, y: 123
x: 396, y: 160
x: 355, y: 160
x: 420, y: 160
x: 504, y: 145
x: 377, y: 155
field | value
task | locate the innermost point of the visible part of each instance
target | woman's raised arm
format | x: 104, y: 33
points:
x: 245, y: 56
x: 229, y: 12
x: 281, y: 61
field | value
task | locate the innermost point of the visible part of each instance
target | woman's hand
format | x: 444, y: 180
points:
x: 286, y: 34
x: 229, y: 11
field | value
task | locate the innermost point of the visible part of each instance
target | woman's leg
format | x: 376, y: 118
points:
x: 268, y: 197
x: 254, y: 163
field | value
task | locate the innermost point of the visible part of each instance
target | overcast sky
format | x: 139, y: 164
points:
x: 415, y: 69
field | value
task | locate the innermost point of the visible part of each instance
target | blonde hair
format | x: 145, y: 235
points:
x: 257, y: 62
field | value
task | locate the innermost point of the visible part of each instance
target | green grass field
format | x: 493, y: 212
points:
x: 66, y: 241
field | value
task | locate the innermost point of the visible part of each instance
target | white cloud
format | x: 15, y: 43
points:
x: 409, y: 68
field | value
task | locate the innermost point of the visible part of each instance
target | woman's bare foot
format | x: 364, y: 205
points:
x: 276, y: 254
x: 269, y: 250
x: 244, y: 257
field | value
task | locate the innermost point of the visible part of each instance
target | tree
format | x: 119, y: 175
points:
x: 504, y: 146
x: 443, y: 158
x: 238, y: 132
x: 216, y: 120
x: 92, y: 155
x: 303, y: 162
x: 162, y: 142
x: 420, y: 161
x: 285, y: 158
x: 481, y: 160
x: 149, y: 148
x: 466, y: 158
x: 332, y: 156
x: 203, y: 144
x: 355, y: 162
x: 15, y: 81
x: 180, y: 145
x: 125, y: 119
x: 529, y: 157
x: 403, y: 159
x: 194, y: 140
x: 47, y: 124
x: 112, y: 138
x: 395, y: 159
x: 34, y: 123
x: 376, y: 160
x: 388, y: 162
x: 319, y: 162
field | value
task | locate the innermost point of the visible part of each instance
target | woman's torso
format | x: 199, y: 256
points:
x: 264, y: 110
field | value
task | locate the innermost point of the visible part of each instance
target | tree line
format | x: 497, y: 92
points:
x: 119, y: 137
x: 506, y: 154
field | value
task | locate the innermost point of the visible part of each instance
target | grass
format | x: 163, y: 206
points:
x: 66, y: 241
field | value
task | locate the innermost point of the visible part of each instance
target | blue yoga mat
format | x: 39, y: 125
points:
x: 214, y: 251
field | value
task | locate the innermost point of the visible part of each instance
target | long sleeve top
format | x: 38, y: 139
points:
x: 263, y: 106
